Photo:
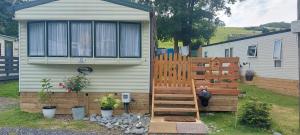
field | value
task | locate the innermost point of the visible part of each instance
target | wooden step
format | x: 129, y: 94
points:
x: 174, y: 95
x: 174, y: 102
x: 175, y: 109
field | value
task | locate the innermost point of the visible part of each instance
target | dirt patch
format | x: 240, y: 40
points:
x: 7, y: 103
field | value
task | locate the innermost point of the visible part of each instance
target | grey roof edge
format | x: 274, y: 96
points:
x: 254, y: 36
x: 126, y: 3
x: 1, y: 35
x: 30, y: 4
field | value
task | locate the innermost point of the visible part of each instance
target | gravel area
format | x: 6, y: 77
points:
x: 7, y: 103
x: 33, y: 131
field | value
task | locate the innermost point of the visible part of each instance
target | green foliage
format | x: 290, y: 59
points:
x: 256, y: 114
x: 45, y: 95
x: 16, y: 117
x: 9, y: 89
x: 8, y: 26
x: 75, y: 83
x: 109, y: 102
x: 188, y: 21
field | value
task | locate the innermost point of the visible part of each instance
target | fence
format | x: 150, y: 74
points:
x: 9, y: 68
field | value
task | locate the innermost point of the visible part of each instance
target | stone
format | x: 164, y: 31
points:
x: 276, y: 133
x: 93, y: 118
x: 85, y: 118
x: 109, y: 125
x: 137, y: 131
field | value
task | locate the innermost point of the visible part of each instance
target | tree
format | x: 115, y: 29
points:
x: 8, y: 26
x: 188, y: 20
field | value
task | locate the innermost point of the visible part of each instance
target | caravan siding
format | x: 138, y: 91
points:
x: 81, y: 10
x: 263, y: 64
x: 115, y: 77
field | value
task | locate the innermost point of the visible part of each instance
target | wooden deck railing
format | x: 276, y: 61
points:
x: 9, y: 68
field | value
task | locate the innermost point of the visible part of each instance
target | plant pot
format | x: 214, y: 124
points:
x: 204, y: 97
x: 106, y: 113
x: 49, y: 111
x: 249, y: 75
x: 78, y: 112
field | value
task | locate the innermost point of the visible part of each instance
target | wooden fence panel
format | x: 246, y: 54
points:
x: 9, y: 68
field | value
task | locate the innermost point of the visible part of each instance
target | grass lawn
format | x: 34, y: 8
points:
x: 9, y: 89
x: 284, y: 115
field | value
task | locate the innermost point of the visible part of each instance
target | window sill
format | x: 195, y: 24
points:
x: 87, y: 61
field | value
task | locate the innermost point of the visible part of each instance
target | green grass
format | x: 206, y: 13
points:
x: 222, y: 33
x: 9, y: 89
x: 284, y: 114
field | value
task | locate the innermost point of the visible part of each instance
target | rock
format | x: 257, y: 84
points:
x: 109, y: 125
x: 137, y: 131
x: 98, y: 118
x: 85, y: 118
x: 93, y: 118
x: 139, y: 125
x: 276, y: 133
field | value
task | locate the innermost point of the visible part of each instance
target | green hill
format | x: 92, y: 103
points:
x: 227, y: 33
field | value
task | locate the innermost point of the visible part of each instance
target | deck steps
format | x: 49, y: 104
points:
x: 172, y: 102
x: 175, y: 110
x: 174, y: 95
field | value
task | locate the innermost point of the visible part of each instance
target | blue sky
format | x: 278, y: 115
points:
x: 256, y: 12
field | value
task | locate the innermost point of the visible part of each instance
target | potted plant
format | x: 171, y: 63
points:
x: 76, y: 84
x: 45, y: 97
x: 108, y: 104
x: 204, y: 96
x: 249, y: 75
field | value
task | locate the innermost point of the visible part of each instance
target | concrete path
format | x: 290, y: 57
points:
x: 7, y: 103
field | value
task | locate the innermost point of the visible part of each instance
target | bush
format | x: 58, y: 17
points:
x: 256, y: 114
x: 109, y: 102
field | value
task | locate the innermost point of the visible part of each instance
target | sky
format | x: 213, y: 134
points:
x: 256, y: 12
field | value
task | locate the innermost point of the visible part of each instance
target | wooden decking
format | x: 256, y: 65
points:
x: 177, y: 79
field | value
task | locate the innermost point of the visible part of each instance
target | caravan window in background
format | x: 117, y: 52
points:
x: 57, y: 35
x: 226, y: 52
x: 231, y: 52
x: 205, y: 54
x: 277, y: 53
x: 252, y: 51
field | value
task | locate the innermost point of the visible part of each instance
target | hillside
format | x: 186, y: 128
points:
x: 227, y: 33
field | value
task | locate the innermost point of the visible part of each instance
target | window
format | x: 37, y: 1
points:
x: 36, y: 39
x: 226, y: 52
x: 81, y: 39
x: 277, y: 53
x: 0, y: 50
x: 106, y: 39
x: 205, y: 54
x: 130, y: 40
x: 252, y: 51
x: 57, y: 38
x: 231, y: 52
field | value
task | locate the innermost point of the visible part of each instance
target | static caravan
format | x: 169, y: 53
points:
x: 9, y: 46
x: 112, y: 37
x: 272, y: 56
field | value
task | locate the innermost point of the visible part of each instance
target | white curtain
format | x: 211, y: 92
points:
x: 81, y: 36
x: 106, y: 39
x: 277, y: 50
x: 57, y: 39
x: 130, y: 40
x: 36, y: 39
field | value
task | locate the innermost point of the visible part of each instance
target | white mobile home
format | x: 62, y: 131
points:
x: 9, y: 46
x: 110, y: 36
x: 272, y: 56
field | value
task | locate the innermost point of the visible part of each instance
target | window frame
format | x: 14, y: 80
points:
x: 249, y: 56
x: 70, y: 38
x: 140, y: 42
x: 28, y: 35
x: 280, y: 49
x: 228, y: 51
x: 47, y: 41
x: 231, y: 52
x: 117, y: 39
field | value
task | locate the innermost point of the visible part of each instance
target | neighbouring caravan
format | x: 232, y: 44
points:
x: 111, y: 37
x: 272, y: 56
x: 9, y: 46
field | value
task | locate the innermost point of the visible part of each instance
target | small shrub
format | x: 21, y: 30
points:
x: 109, y: 102
x: 256, y: 114
x: 45, y: 95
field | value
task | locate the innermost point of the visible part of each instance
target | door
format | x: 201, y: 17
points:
x: 8, y: 49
